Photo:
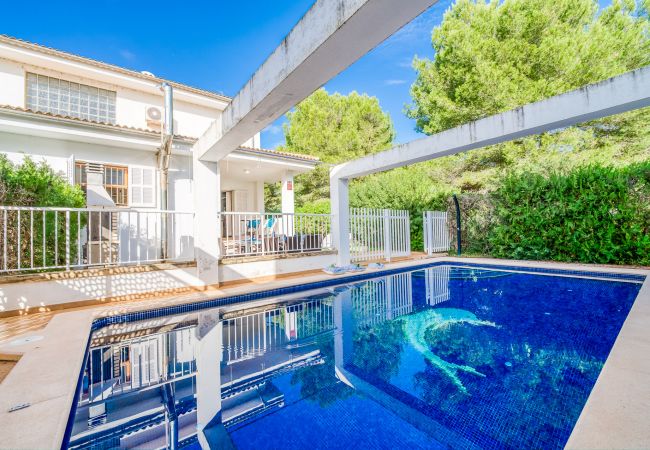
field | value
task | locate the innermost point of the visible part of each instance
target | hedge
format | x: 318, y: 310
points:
x: 593, y: 214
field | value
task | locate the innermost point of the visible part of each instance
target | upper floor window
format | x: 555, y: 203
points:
x: 66, y: 98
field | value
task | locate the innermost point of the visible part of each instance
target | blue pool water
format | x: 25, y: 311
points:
x: 461, y: 357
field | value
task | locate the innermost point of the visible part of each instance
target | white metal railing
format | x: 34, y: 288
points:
x: 250, y: 233
x: 45, y: 238
x: 376, y: 301
x: 379, y: 234
x: 436, y: 232
x: 252, y: 335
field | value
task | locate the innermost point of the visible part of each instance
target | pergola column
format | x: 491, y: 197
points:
x: 340, y: 204
x: 208, y: 372
x: 207, y: 224
x: 288, y: 202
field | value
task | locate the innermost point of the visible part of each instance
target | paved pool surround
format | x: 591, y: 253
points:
x: 615, y: 415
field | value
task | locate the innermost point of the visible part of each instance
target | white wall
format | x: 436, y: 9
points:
x: 190, y: 119
x: 32, y: 295
x: 12, y: 84
x: 250, y: 187
x: 259, y: 269
x: 41, y: 294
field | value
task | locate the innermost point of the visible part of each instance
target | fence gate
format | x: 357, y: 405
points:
x: 379, y: 234
x: 436, y: 232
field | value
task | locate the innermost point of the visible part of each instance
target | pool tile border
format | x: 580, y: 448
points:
x: 242, y: 298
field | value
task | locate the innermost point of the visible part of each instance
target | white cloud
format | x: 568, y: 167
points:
x: 394, y: 82
x: 273, y: 129
x: 406, y: 63
x: 128, y: 55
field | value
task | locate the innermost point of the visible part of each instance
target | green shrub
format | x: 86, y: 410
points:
x: 593, y: 214
x: 31, y: 184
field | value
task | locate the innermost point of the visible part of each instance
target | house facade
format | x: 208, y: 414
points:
x: 100, y: 126
x: 110, y: 131
x: 71, y: 111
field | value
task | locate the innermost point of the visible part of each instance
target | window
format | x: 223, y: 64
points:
x: 141, y: 180
x: 116, y: 184
x: 66, y: 98
x: 115, y: 181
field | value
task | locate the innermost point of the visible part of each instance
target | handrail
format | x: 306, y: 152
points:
x: 91, y: 208
x: 252, y: 213
x: 42, y: 238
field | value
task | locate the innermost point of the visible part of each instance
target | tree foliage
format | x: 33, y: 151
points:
x: 338, y: 127
x: 32, y: 184
x: 335, y: 128
x: 492, y: 57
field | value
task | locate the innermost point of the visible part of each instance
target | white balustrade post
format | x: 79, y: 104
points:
x: 67, y: 240
x: 387, y: 235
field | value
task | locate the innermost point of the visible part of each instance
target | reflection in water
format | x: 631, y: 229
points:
x: 468, y: 357
x: 140, y: 383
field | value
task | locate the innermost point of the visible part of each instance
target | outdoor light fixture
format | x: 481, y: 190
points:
x: 247, y: 171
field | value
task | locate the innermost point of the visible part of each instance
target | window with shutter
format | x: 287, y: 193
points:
x: 141, y: 180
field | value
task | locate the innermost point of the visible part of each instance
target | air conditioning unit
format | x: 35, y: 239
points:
x: 153, y: 116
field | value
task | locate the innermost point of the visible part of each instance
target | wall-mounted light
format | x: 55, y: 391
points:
x: 247, y: 171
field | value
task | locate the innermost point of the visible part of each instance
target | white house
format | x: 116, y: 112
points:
x: 134, y: 142
x: 100, y: 125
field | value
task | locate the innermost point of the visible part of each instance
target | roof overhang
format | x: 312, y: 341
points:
x: 36, y: 124
x: 249, y: 160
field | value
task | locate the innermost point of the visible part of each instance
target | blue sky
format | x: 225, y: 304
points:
x: 217, y: 44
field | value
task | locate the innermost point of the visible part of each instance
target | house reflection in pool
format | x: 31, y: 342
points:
x: 156, y: 382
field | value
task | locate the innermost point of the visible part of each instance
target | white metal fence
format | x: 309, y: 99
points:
x: 379, y: 234
x: 249, y: 233
x: 436, y: 232
x: 44, y: 238
x: 48, y: 238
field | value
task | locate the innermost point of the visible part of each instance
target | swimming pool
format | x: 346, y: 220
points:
x: 442, y: 356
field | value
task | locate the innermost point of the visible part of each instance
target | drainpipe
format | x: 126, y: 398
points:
x: 164, y: 156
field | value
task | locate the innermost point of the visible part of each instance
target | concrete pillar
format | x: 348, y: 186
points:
x: 207, y: 226
x: 208, y: 370
x: 288, y: 204
x: 344, y: 323
x: 340, y: 204
x: 259, y: 196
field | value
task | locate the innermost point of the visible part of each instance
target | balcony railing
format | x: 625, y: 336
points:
x: 253, y: 234
x: 43, y: 238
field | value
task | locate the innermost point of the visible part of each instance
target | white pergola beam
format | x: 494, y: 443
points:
x: 332, y: 35
x: 613, y: 96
